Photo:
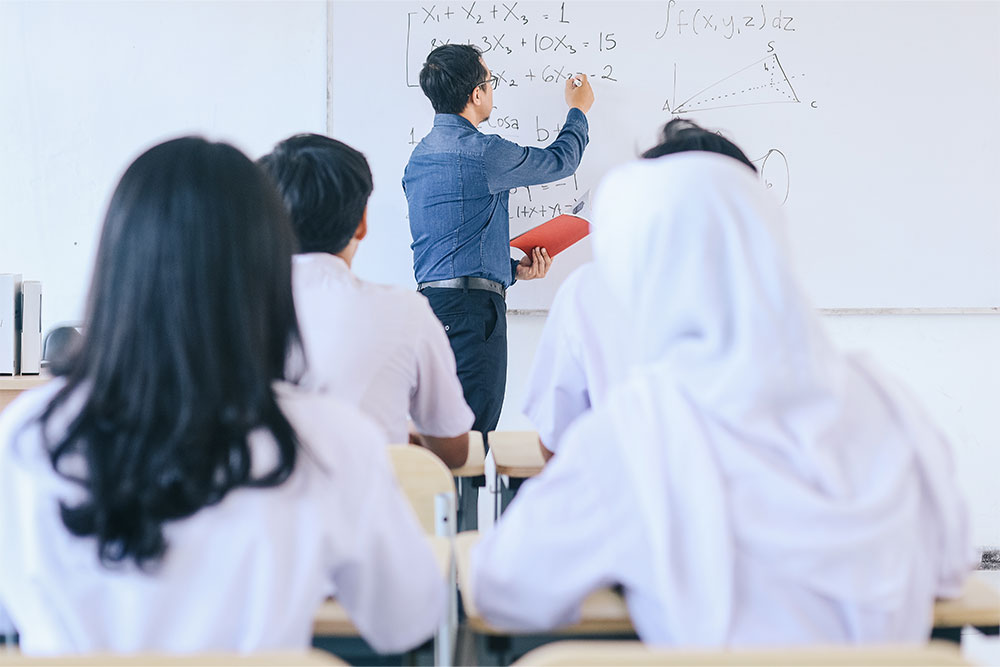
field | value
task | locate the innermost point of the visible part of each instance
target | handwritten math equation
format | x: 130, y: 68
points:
x: 516, y: 29
x: 541, y: 202
x: 529, y: 45
x: 699, y: 19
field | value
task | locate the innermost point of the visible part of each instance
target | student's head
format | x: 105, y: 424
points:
x: 454, y: 76
x: 325, y: 184
x: 189, y: 322
x: 692, y: 247
x: 680, y: 135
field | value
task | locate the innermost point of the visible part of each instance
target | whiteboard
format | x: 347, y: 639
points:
x: 874, y: 123
x: 86, y: 86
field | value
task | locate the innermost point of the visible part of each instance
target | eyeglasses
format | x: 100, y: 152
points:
x: 494, y: 81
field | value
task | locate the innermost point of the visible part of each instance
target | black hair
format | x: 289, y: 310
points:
x: 450, y: 75
x: 680, y: 135
x: 189, y: 320
x: 325, y: 184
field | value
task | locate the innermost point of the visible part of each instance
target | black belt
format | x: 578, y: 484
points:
x: 466, y: 282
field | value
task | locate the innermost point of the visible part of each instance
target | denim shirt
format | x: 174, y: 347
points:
x: 458, y: 184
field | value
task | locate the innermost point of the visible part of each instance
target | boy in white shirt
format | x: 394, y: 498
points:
x: 378, y: 346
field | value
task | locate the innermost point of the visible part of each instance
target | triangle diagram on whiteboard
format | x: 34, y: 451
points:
x: 763, y: 82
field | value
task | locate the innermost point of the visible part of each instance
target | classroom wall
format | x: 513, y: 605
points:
x: 950, y: 362
x: 86, y: 86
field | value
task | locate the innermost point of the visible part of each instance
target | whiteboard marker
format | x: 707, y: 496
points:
x: 577, y: 81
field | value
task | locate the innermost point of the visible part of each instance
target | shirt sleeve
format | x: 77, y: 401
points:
x: 392, y: 587
x: 437, y: 406
x: 509, y: 165
x: 557, y: 384
x: 570, y: 531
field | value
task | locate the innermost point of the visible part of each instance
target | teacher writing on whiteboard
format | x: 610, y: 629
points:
x: 457, y: 186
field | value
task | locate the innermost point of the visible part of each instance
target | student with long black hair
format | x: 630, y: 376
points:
x: 169, y: 491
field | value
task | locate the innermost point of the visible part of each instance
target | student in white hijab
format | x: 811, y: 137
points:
x: 578, y: 358
x: 747, y: 483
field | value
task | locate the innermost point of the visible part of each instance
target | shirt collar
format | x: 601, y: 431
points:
x: 323, y: 258
x: 452, y: 120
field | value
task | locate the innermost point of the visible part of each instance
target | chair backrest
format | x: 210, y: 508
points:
x: 423, y: 477
x: 476, y: 460
x: 593, y: 653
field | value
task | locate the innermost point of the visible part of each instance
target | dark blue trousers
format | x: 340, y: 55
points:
x: 476, y: 324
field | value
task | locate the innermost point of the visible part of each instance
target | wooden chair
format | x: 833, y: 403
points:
x: 517, y: 455
x: 475, y: 461
x: 594, y: 653
x: 429, y: 486
x: 427, y: 483
x: 307, y: 658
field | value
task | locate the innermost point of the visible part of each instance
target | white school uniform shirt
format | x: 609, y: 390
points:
x: 246, y: 574
x: 378, y: 346
x: 577, y: 359
x: 746, y: 483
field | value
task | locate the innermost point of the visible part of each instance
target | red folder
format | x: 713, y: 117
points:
x: 555, y: 235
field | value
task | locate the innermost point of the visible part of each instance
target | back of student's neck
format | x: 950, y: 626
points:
x: 347, y: 254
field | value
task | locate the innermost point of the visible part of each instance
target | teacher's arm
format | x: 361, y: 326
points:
x: 510, y: 165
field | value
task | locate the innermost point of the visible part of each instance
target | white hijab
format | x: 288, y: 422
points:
x: 746, y: 432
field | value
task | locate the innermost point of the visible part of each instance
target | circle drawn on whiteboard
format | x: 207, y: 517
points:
x: 773, y: 168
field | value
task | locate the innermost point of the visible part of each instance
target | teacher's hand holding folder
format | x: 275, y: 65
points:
x: 546, y: 241
x: 535, y: 264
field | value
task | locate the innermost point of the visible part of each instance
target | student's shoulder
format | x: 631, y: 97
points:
x: 400, y: 305
x: 336, y: 432
x: 395, y: 302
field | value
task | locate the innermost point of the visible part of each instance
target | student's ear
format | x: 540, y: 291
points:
x: 362, y: 231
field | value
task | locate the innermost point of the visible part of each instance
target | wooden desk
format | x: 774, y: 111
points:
x: 331, y: 619
x: 516, y: 453
x: 11, y: 386
x: 600, y: 653
x: 306, y: 658
x: 605, y: 612
x: 978, y: 606
x: 475, y: 461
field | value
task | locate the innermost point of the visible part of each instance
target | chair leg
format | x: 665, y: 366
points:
x: 444, y: 526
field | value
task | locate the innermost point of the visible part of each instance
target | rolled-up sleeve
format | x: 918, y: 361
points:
x: 509, y: 165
